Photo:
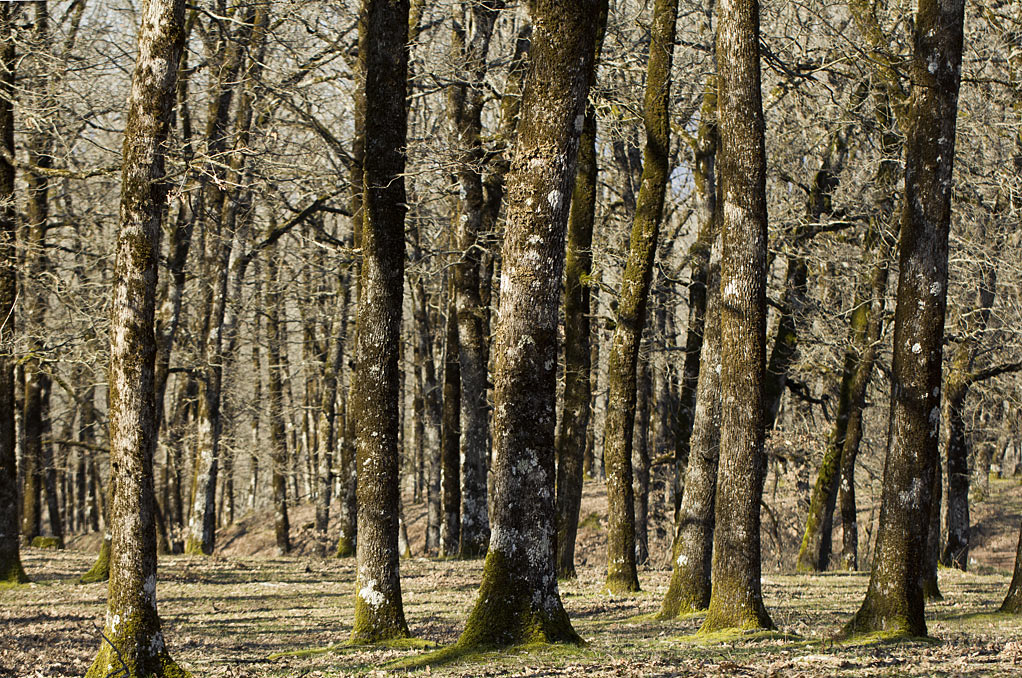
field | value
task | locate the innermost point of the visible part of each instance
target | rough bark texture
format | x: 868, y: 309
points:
x: 689, y: 590
x: 575, y: 412
x: 736, y: 600
x: 450, y: 533
x: 379, y: 614
x: 518, y: 599
x: 133, y: 638
x: 640, y: 458
x: 10, y: 559
x: 1013, y: 601
x: 632, y: 302
x: 470, y: 45
x: 894, y: 600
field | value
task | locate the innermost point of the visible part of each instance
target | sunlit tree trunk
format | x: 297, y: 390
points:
x: 736, y: 599
x: 1013, y: 601
x: 894, y: 600
x: 132, y: 635
x: 518, y: 599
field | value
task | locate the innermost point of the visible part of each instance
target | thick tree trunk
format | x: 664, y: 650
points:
x: 133, y: 641
x: 573, y: 436
x: 379, y: 614
x: 632, y: 302
x: 450, y: 532
x: 518, y: 599
x: 736, y: 600
x: 10, y: 558
x: 689, y: 590
x: 894, y: 601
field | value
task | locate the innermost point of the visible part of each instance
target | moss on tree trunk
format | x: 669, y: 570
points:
x: 1013, y: 601
x: 518, y: 599
x: 894, y: 600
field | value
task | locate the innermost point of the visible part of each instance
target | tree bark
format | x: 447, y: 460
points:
x: 632, y: 302
x: 640, y: 458
x: 894, y: 600
x: 1013, y: 601
x: 379, y: 614
x: 450, y: 533
x: 736, y: 600
x: 577, y: 400
x: 275, y: 393
x: 518, y: 599
x: 10, y: 557
x: 132, y: 636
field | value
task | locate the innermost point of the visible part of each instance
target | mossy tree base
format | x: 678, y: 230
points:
x: 48, y: 543
x: 507, y: 613
x: 740, y: 619
x: 622, y: 582
x: 1013, y: 602
x: 100, y: 570
x: 12, y: 573
x: 109, y: 663
x: 683, y: 598
x: 887, y: 620
x: 345, y: 548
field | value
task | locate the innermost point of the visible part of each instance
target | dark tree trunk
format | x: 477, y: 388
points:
x: 10, y: 558
x: 450, y: 533
x: 1013, y: 601
x: 736, y: 599
x: 575, y: 425
x: 640, y: 458
x: 518, y: 599
x: 894, y: 601
x: 379, y: 613
x: 632, y: 302
x: 136, y: 643
x: 275, y: 393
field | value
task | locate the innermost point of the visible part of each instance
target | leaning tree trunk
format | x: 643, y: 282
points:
x: 689, y: 590
x: 1013, y: 601
x: 634, y: 296
x: 379, y: 614
x: 575, y: 412
x: 518, y: 599
x: 894, y: 600
x: 736, y: 600
x: 133, y: 642
x: 10, y: 557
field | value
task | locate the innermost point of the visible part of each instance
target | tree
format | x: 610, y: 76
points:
x: 1013, y: 601
x: 518, y: 599
x: 133, y: 641
x: 736, y: 599
x: 894, y: 600
x: 632, y: 302
x: 10, y: 558
x: 379, y: 614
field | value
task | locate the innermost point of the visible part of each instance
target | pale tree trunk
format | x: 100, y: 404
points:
x: 379, y: 613
x: 133, y: 640
x: 632, y: 302
x: 894, y: 600
x: 10, y: 558
x: 470, y: 45
x: 518, y: 600
x: 577, y: 400
x: 689, y: 590
x: 736, y: 599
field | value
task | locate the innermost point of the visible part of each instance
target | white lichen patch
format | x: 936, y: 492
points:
x: 554, y: 199
x: 916, y: 348
x: 372, y: 597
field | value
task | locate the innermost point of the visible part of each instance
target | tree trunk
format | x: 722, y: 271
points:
x: 1013, y: 601
x: 575, y: 412
x: 133, y: 641
x: 275, y: 393
x: 632, y: 302
x: 736, y: 600
x: 640, y: 459
x: 379, y: 614
x: 450, y: 533
x: 10, y: 557
x: 689, y: 590
x: 894, y: 601
x: 518, y: 599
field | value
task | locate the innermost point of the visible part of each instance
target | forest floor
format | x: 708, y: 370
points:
x: 247, y: 616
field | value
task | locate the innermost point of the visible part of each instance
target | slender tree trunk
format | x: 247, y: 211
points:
x: 640, y: 459
x: 379, y: 614
x: 632, y: 302
x: 894, y: 600
x: 10, y: 557
x: 450, y: 533
x: 689, y: 590
x: 275, y: 393
x: 518, y: 599
x: 736, y: 599
x: 327, y: 437
x: 575, y: 412
x: 133, y: 640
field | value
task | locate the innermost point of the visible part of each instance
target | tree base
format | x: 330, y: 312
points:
x: 931, y: 590
x: 1012, y: 602
x: 100, y: 570
x: 870, y: 620
x: 345, y: 548
x: 622, y: 582
x: 13, y: 574
x: 108, y: 663
x: 193, y: 547
x: 742, y: 620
